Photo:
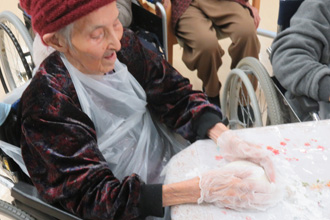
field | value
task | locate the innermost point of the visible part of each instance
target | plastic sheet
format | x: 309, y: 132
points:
x: 14, y: 153
x: 301, y: 154
x: 128, y: 137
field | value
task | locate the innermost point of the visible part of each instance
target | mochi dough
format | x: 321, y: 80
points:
x: 257, y: 172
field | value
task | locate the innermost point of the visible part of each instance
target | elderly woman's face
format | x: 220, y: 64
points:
x: 95, y: 39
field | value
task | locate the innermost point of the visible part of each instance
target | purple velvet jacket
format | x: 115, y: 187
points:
x: 59, y: 142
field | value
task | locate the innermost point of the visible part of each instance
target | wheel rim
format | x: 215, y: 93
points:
x: 261, y: 97
x: 16, y: 59
x: 15, y: 47
x: 268, y: 100
x: 235, y: 99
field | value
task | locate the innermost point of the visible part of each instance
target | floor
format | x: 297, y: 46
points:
x: 268, y: 14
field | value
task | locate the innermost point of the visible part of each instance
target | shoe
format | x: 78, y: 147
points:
x: 215, y: 100
x: 245, y: 115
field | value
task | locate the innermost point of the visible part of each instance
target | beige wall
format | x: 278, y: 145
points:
x: 10, y: 5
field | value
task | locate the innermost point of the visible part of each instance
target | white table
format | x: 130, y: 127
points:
x: 301, y: 155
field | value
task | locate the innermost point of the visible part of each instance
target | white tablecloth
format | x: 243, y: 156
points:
x: 302, y: 158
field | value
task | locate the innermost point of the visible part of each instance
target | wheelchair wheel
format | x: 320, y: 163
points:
x: 10, y: 212
x: 3, y: 82
x: 15, y: 50
x: 268, y: 101
x: 238, y: 91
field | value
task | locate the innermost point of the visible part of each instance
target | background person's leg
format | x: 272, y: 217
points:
x: 235, y: 21
x: 202, y: 50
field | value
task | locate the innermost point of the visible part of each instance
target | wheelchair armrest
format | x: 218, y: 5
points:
x: 27, y: 195
x: 310, y: 104
x: 303, y: 106
x: 304, y: 102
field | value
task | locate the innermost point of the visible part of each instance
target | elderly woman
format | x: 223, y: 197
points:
x: 102, y: 117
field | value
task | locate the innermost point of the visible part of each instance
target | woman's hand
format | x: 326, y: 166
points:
x: 231, y: 187
x: 233, y: 148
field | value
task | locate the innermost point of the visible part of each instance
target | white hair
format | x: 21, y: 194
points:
x: 41, y: 51
x: 66, y: 33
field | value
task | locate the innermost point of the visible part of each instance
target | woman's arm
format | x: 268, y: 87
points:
x: 181, y: 193
x: 215, y: 132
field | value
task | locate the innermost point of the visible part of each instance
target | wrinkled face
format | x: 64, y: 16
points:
x: 95, y: 41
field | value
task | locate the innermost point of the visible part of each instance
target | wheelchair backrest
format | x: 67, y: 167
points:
x: 286, y: 10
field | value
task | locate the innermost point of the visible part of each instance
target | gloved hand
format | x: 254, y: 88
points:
x: 234, y: 188
x: 233, y: 148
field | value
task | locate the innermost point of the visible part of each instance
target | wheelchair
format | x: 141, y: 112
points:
x: 281, y: 105
x: 290, y: 108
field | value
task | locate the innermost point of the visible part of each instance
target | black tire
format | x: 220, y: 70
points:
x: 3, y: 82
x: 270, y: 107
x: 9, y: 211
x: 15, y: 50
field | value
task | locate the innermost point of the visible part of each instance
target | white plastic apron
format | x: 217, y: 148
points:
x: 127, y: 136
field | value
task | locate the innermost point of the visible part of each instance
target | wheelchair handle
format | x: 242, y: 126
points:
x: 161, y: 8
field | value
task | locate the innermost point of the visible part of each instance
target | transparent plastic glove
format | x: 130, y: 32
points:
x: 233, y: 148
x: 237, y: 187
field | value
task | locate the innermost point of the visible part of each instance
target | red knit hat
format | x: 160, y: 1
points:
x: 51, y: 15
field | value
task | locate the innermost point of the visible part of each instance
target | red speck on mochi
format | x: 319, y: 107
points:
x: 219, y: 157
x: 282, y: 143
